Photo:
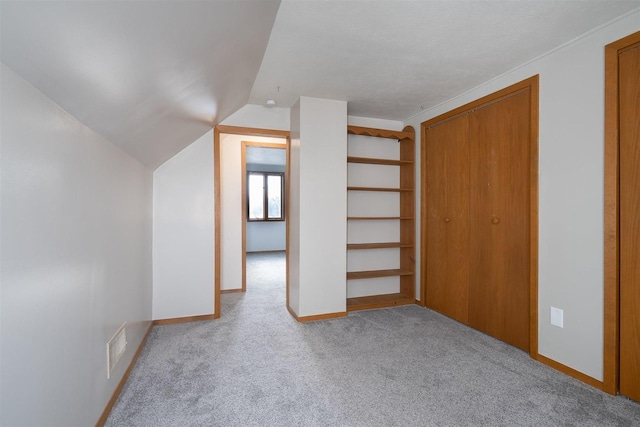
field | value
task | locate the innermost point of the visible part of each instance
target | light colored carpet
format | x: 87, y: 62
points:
x: 405, y: 366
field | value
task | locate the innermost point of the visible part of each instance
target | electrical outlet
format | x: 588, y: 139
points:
x: 557, y: 317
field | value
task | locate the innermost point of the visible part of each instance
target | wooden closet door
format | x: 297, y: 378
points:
x: 447, y: 269
x: 499, y: 220
x: 629, y: 95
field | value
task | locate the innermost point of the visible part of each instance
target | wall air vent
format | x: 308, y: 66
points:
x: 115, y: 348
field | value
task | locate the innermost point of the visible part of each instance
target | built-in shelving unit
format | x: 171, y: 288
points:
x: 405, y: 243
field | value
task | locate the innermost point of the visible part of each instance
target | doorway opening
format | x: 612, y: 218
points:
x: 264, y: 237
x: 229, y: 198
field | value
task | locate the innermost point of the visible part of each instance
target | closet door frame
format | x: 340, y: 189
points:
x: 532, y: 85
x: 611, y: 374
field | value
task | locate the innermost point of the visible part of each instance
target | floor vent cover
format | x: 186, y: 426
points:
x: 115, y: 348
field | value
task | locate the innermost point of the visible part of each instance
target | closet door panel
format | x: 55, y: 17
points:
x: 447, y: 269
x: 499, y: 220
x: 629, y: 80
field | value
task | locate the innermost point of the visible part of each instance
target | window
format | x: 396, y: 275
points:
x: 265, y: 193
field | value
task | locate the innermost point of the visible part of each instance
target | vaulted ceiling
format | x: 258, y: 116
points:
x: 153, y: 76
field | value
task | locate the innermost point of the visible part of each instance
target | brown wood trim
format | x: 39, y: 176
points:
x: 231, y: 291
x: 531, y: 84
x: 239, y: 130
x: 376, y: 161
x: 370, y: 302
x: 611, y: 214
x: 116, y: 393
x: 369, y: 274
x: 217, y: 260
x: 379, y: 133
x: 569, y: 371
x: 533, y: 215
x: 481, y: 102
x: 174, y: 320
x: 304, y: 319
x: 384, y: 189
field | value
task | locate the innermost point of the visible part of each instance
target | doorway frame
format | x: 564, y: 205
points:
x: 244, y: 131
x: 611, y: 312
x: 276, y: 146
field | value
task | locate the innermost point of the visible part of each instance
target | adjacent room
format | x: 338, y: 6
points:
x: 331, y: 213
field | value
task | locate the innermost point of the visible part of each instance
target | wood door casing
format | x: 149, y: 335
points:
x: 447, y: 271
x: 500, y: 205
x: 629, y: 105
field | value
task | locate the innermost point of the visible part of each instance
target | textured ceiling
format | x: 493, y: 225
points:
x: 153, y: 76
x: 389, y: 58
x: 150, y: 76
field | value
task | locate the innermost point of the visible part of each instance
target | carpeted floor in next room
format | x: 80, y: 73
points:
x: 404, y: 366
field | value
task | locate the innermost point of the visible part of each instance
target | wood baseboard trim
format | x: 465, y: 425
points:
x: 570, y: 371
x: 184, y: 319
x: 304, y: 319
x: 116, y: 393
x: 231, y: 291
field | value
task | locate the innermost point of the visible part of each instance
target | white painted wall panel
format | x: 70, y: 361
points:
x: 293, y: 266
x: 319, y: 208
x: 76, y: 260
x: 183, y: 249
x: 266, y: 236
x: 571, y: 178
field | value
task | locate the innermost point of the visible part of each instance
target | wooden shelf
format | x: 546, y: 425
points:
x: 372, y: 161
x: 404, y: 292
x: 379, y: 133
x: 378, y: 301
x: 370, y: 274
x: 397, y: 190
x: 378, y: 218
x: 387, y: 245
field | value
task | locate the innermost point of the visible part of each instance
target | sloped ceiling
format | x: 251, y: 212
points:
x: 150, y: 76
x: 153, y: 76
x: 390, y: 59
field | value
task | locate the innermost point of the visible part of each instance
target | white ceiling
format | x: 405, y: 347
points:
x: 153, y: 76
x: 388, y: 58
x: 150, y: 76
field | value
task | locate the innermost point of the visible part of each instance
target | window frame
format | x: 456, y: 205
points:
x: 265, y: 196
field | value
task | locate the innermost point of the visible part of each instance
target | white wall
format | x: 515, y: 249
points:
x: 76, y: 260
x: 183, y: 249
x: 293, y: 263
x: 318, y: 209
x: 259, y: 116
x: 571, y: 144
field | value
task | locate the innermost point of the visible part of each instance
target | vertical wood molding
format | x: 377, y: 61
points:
x: 534, y: 83
x: 611, y: 328
x: 216, y: 222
